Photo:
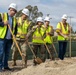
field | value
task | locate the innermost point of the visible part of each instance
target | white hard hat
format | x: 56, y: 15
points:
x: 64, y: 16
x: 47, y: 18
x: 40, y: 19
x: 25, y: 11
x: 13, y: 5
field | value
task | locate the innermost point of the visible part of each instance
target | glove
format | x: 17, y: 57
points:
x: 66, y: 37
x: 35, y: 27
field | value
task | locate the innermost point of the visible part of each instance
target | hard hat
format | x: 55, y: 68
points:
x: 64, y: 16
x: 25, y: 11
x: 13, y: 5
x: 47, y: 18
x: 40, y: 19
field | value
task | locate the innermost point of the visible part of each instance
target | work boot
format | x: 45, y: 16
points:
x: 24, y: 65
x: 14, y: 63
x: 34, y: 63
x: 24, y: 62
x: 52, y: 59
x: 7, y: 69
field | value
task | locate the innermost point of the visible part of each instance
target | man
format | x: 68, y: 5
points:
x: 5, y: 35
x: 48, y: 37
x: 22, y: 29
x: 63, y: 30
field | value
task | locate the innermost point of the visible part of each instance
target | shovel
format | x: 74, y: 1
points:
x: 48, y: 50
x: 37, y: 59
x: 46, y: 47
x: 14, y: 39
x: 55, y: 50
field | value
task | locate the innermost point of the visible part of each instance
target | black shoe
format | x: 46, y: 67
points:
x: 34, y: 64
x: 1, y: 70
x: 7, y: 68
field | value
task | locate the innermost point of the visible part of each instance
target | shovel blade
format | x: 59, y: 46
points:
x: 38, y: 60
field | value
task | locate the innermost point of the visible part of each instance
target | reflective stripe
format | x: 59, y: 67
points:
x: 39, y: 38
x: 21, y: 34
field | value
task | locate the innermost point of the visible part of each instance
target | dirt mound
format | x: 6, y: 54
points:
x: 57, y: 67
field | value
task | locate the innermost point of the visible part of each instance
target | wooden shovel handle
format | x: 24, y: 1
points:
x: 14, y: 39
x: 31, y: 49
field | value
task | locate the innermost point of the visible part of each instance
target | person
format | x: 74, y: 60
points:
x: 5, y: 35
x: 37, y: 40
x: 22, y: 29
x: 48, y: 38
x: 63, y: 30
x: 37, y: 33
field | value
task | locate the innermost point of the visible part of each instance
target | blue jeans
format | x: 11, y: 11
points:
x: 5, y: 47
x: 62, y: 49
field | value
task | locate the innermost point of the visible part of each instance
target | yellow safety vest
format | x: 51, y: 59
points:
x: 48, y: 39
x: 63, y: 30
x: 38, y: 36
x: 22, y: 28
x: 3, y: 30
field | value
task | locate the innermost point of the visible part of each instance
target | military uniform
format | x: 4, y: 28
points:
x: 49, y: 40
x: 38, y: 43
x: 20, y: 37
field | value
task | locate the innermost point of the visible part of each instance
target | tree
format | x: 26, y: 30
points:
x: 34, y: 13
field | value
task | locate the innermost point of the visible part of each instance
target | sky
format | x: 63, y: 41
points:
x: 56, y: 9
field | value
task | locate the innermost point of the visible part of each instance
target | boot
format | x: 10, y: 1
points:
x: 34, y: 63
x: 24, y: 64
x: 14, y: 63
x: 24, y: 61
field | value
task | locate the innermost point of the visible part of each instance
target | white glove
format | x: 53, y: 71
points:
x: 66, y: 37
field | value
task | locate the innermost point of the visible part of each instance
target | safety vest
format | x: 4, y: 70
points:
x: 3, y: 30
x: 38, y: 36
x: 48, y: 39
x: 22, y: 28
x: 63, y: 30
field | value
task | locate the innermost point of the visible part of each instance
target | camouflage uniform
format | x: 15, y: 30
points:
x: 50, y: 47
x: 41, y: 49
x: 37, y: 47
x: 22, y: 44
x: 49, y: 40
x: 23, y: 47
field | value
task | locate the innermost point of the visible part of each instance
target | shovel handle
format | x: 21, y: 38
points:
x: 14, y: 39
x: 31, y: 49
x: 55, y: 49
x: 48, y: 50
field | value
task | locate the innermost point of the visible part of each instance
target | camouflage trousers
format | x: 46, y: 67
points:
x: 23, y: 47
x: 41, y: 50
x: 51, y: 49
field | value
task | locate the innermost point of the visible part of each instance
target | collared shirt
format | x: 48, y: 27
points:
x: 8, y: 36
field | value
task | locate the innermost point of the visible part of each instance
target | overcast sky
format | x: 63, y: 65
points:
x: 56, y: 8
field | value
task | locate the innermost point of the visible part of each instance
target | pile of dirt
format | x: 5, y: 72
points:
x: 57, y: 67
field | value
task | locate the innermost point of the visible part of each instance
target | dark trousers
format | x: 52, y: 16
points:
x: 5, y: 47
x: 62, y: 49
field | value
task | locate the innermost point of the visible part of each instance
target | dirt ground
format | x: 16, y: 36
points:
x: 57, y: 67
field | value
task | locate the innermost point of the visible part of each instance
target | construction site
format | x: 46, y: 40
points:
x: 37, y: 37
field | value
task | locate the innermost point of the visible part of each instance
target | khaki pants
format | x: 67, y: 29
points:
x: 23, y: 47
